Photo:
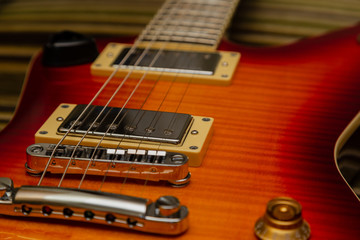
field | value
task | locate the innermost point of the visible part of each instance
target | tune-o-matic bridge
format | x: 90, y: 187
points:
x: 113, y: 127
x: 164, y: 216
x: 131, y: 163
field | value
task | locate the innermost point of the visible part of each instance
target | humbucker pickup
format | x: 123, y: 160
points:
x: 172, y: 64
x: 164, y: 216
x: 131, y: 163
x: 133, y: 129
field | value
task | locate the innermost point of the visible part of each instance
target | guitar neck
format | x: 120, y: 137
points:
x: 194, y: 22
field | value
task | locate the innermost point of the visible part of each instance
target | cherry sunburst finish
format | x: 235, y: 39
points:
x: 274, y: 133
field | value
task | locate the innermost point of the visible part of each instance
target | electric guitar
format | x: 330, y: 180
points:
x: 182, y: 135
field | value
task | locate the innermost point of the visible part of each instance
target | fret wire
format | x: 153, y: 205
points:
x: 191, y: 29
x: 205, y: 16
x: 207, y: 2
x: 186, y: 40
x: 196, y: 13
x: 206, y: 7
x: 186, y: 23
x: 183, y: 33
x: 207, y: 12
x: 205, y: 19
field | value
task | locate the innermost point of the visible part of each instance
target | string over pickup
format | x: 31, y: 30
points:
x: 132, y: 163
x: 133, y: 129
x: 164, y: 216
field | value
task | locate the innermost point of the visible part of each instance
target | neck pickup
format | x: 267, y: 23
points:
x: 164, y: 216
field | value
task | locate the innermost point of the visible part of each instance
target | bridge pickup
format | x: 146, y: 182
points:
x: 164, y: 127
x: 135, y: 129
x: 132, y: 163
x: 164, y: 216
x: 206, y: 66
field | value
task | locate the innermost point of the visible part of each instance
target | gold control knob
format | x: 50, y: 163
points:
x: 282, y: 220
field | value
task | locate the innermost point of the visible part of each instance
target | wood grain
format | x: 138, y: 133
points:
x: 274, y: 133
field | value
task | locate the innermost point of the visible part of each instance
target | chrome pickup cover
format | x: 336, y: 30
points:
x: 132, y: 163
x: 164, y: 216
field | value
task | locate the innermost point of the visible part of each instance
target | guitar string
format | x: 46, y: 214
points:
x: 115, y: 93
x: 112, y: 75
x: 177, y: 108
x: 122, y: 108
x: 156, y: 117
x: 172, y: 118
x: 116, y: 117
x: 96, y: 120
x: 111, y: 163
x: 145, y: 100
x: 188, y: 83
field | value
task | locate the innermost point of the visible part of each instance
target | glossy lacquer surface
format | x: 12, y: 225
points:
x: 274, y: 134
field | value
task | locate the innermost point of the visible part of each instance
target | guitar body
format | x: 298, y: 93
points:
x: 274, y: 133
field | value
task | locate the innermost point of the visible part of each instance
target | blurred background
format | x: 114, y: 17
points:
x: 26, y: 25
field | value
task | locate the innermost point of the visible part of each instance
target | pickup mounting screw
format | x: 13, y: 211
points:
x: 59, y: 119
x: 206, y: 119
x: 224, y: 76
x: 194, y: 132
x: 193, y: 147
x: 43, y: 132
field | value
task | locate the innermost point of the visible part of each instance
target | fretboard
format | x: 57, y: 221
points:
x: 199, y: 22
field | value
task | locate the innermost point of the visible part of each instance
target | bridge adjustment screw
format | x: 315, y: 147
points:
x: 37, y: 149
x: 167, y: 205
